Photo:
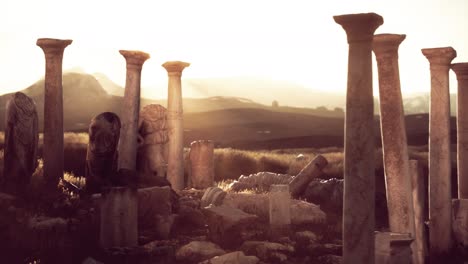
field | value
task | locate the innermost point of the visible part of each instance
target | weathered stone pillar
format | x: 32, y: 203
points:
x: 311, y: 171
x: 53, y: 110
x: 394, y: 143
x: 175, y: 170
x: 440, y: 187
x: 359, y: 175
x: 101, y: 154
x: 21, y: 139
x: 119, y: 217
x: 280, y: 210
x: 202, y: 164
x: 420, y: 240
x: 461, y: 70
x: 130, y: 109
x: 153, y: 138
x: 460, y: 221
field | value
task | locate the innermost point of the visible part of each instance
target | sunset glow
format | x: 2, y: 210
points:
x: 296, y: 41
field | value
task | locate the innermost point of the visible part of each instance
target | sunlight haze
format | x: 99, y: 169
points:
x: 294, y: 41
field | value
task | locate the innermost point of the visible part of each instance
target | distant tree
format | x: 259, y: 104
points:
x: 275, y: 103
x: 321, y: 109
x: 339, y: 109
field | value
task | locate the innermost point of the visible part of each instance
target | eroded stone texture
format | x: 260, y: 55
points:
x: 212, y: 195
x: 101, y: 155
x: 359, y: 187
x: 460, y: 221
x: 21, y: 139
x: 440, y: 187
x: 394, y: 143
x: 260, y: 182
x: 153, y: 136
x: 197, y: 251
x: 419, y: 194
x: 461, y: 70
x: 393, y: 248
x: 130, y: 109
x: 280, y: 210
x: 53, y: 109
x: 311, y: 171
x: 175, y: 170
x: 119, y: 217
x: 202, y: 164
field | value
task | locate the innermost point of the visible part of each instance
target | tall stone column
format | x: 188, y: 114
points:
x: 53, y: 109
x: 359, y: 175
x: 461, y: 70
x: 131, y: 109
x: 394, y: 143
x: 175, y: 164
x: 440, y: 197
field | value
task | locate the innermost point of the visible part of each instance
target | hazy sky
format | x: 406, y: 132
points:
x: 289, y: 40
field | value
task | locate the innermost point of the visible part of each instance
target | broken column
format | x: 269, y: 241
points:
x: 101, y: 154
x: 21, y: 139
x: 461, y: 70
x: 53, y: 109
x: 202, y: 164
x: 119, y: 217
x: 418, y: 186
x: 175, y: 169
x: 359, y: 175
x: 280, y: 210
x: 440, y: 196
x: 131, y: 108
x: 153, y: 138
x: 311, y: 171
x: 394, y: 143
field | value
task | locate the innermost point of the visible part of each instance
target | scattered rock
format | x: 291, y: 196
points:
x: 236, y: 257
x: 196, y: 251
x: 327, y: 193
x: 267, y: 251
x: 213, y: 195
x: 154, y: 202
x: 91, y: 261
x: 329, y: 259
x: 258, y: 204
x: 226, y: 224
x: 260, y: 182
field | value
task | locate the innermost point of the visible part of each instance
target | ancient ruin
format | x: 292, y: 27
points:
x: 201, y: 158
x: 394, y: 143
x: 21, y: 139
x: 53, y: 109
x: 153, y: 138
x: 359, y: 186
x: 461, y: 70
x: 175, y: 170
x: 418, y: 191
x: 101, y: 154
x: 131, y: 103
x: 440, y: 190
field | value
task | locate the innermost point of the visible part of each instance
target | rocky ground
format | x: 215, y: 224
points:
x: 191, y: 226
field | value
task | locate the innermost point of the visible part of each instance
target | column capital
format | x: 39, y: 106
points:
x: 440, y: 56
x: 134, y: 58
x: 53, y: 46
x: 387, y: 44
x: 175, y: 67
x: 359, y: 27
x: 461, y: 70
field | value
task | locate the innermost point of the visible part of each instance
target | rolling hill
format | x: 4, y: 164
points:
x: 229, y: 121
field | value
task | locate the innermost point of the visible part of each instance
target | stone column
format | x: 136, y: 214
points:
x: 201, y: 164
x: 394, y: 143
x: 359, y: 175
x: 279, y: 210
x: 53, y: 109
x: 175, y: 166
x: 461, y: 70
x: 418, y: 185
x: 440, y: 187
x: 119, y: 217
x: 131, y: 109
